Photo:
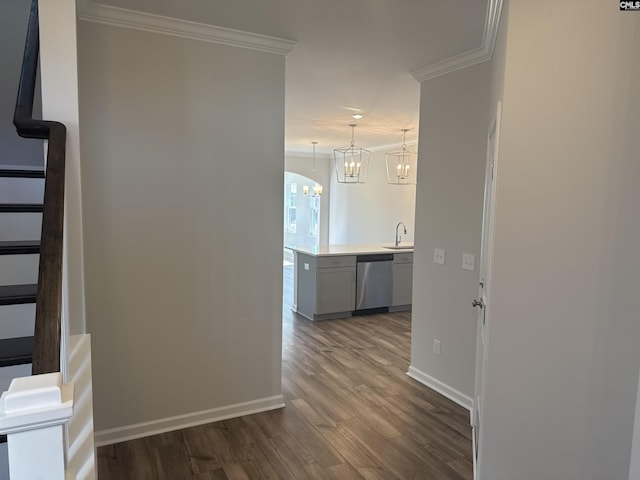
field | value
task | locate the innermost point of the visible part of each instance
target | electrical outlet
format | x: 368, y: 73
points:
x: 468, y: 261
x: 436, y: 346
x: 438, y: 256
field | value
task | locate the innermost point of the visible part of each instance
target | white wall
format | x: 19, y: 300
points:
x: 453, y: 131
x: 369, y: 212
x: 59, y: 67
x: 182, y: 176
x: 303, y: 165
x: 563, y: 355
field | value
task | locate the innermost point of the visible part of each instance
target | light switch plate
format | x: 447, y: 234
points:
x: 306, y: 266
x: 438, y: 256
x: 468, y: 261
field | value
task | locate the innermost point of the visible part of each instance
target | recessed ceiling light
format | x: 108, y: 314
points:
x: 357, y: 116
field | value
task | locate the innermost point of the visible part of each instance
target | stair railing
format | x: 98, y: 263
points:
x: 48, y: 323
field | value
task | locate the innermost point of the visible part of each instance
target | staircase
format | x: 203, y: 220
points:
x: 20, y: 225
x: 47, y: 412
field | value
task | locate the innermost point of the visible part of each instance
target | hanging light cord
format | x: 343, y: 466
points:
x: 314, y: 157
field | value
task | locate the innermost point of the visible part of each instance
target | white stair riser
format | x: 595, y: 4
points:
x: 20, y: 226
x: 18, y: 269
x: 21, y: 190
x: 17, y: 320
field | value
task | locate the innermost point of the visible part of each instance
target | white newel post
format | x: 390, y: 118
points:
x: 32, y: 414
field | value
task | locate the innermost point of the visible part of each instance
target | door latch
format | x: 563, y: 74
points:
x: 478, y: 303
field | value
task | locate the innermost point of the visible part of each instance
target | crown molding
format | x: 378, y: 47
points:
x: 90, y: 11
x: 320, y: 155
x: 305, y: 154
x: 472, y: 57
x: 392, y: 146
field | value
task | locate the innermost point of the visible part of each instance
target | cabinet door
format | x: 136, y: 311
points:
x: 402, y: 283
x: 336, y: 290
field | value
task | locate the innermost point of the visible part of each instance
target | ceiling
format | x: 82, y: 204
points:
x: 352, y: 56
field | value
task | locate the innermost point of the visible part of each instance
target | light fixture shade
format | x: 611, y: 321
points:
x: 402, y: 166
x: 351, y: 163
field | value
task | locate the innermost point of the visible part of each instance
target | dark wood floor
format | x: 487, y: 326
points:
x: 351, y: 413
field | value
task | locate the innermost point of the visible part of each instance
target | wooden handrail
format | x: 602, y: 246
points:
x: 48, y: 326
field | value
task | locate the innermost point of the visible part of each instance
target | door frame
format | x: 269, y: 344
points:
x: 484, y: 290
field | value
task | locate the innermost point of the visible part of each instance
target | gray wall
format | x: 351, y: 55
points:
x: 14, y: 151
x: 182, y: 172
x: 564, y: 332
x: 453, y: 130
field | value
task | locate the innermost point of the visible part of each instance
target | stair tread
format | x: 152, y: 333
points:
x: 18, y: 294
x: 21, y: 173
x: 20, y: 207
x: 19, y: 247
x: 16, y: 351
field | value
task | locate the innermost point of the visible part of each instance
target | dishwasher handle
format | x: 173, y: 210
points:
x: 375, y: 257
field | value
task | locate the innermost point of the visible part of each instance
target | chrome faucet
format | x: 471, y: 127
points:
x: 398, y: 236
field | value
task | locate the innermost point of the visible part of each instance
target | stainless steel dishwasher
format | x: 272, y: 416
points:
x: 374, y: 283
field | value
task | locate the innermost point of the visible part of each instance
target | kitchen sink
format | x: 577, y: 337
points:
x: 398, y: 247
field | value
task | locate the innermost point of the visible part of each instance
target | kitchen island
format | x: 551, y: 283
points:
x: 336, y: 281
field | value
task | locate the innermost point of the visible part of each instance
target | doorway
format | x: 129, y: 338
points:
x: 301, y: 225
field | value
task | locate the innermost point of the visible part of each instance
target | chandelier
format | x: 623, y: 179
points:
x: 401, y: 164
x: 351, y: 162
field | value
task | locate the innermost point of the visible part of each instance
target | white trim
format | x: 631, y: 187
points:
x: 440, y: 387
x: 393, y: 146
x: 329, y: 155
x: 472, y: 57
x: 634, y: 464
x: 130, y: 432
x: 90, y: 11
x: 307, y: 154
x: 473, y: 452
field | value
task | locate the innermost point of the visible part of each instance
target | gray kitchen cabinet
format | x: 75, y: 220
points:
x: 402, y: 281
x: 326, y: 286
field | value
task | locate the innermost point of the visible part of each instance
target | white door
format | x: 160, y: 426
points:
x: 481, y: 303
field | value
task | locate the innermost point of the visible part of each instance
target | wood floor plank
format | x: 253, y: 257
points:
x: 351, y: 413
x: 172, y: 461
x: 201, y: 456
x: 344, y: 471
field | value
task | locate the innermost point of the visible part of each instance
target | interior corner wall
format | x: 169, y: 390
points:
x: 562, y: 371
x: 58, y: 47
x: 182, y: 172
x: 369, y: 212
x: 453, y: 130
x: 303, y: 165
x: 16, y: 151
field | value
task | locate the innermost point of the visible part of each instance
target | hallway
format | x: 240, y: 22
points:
x: 351, y: 413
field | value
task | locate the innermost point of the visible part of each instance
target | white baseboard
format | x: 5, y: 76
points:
x: 145, y: 429
x: 442, y: 388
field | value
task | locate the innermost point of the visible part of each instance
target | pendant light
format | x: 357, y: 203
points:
x: 351, y: 162
x: 316, y: 190
x: 401, y: 164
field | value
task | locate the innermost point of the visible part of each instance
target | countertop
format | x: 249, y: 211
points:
x: 352, y: 249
